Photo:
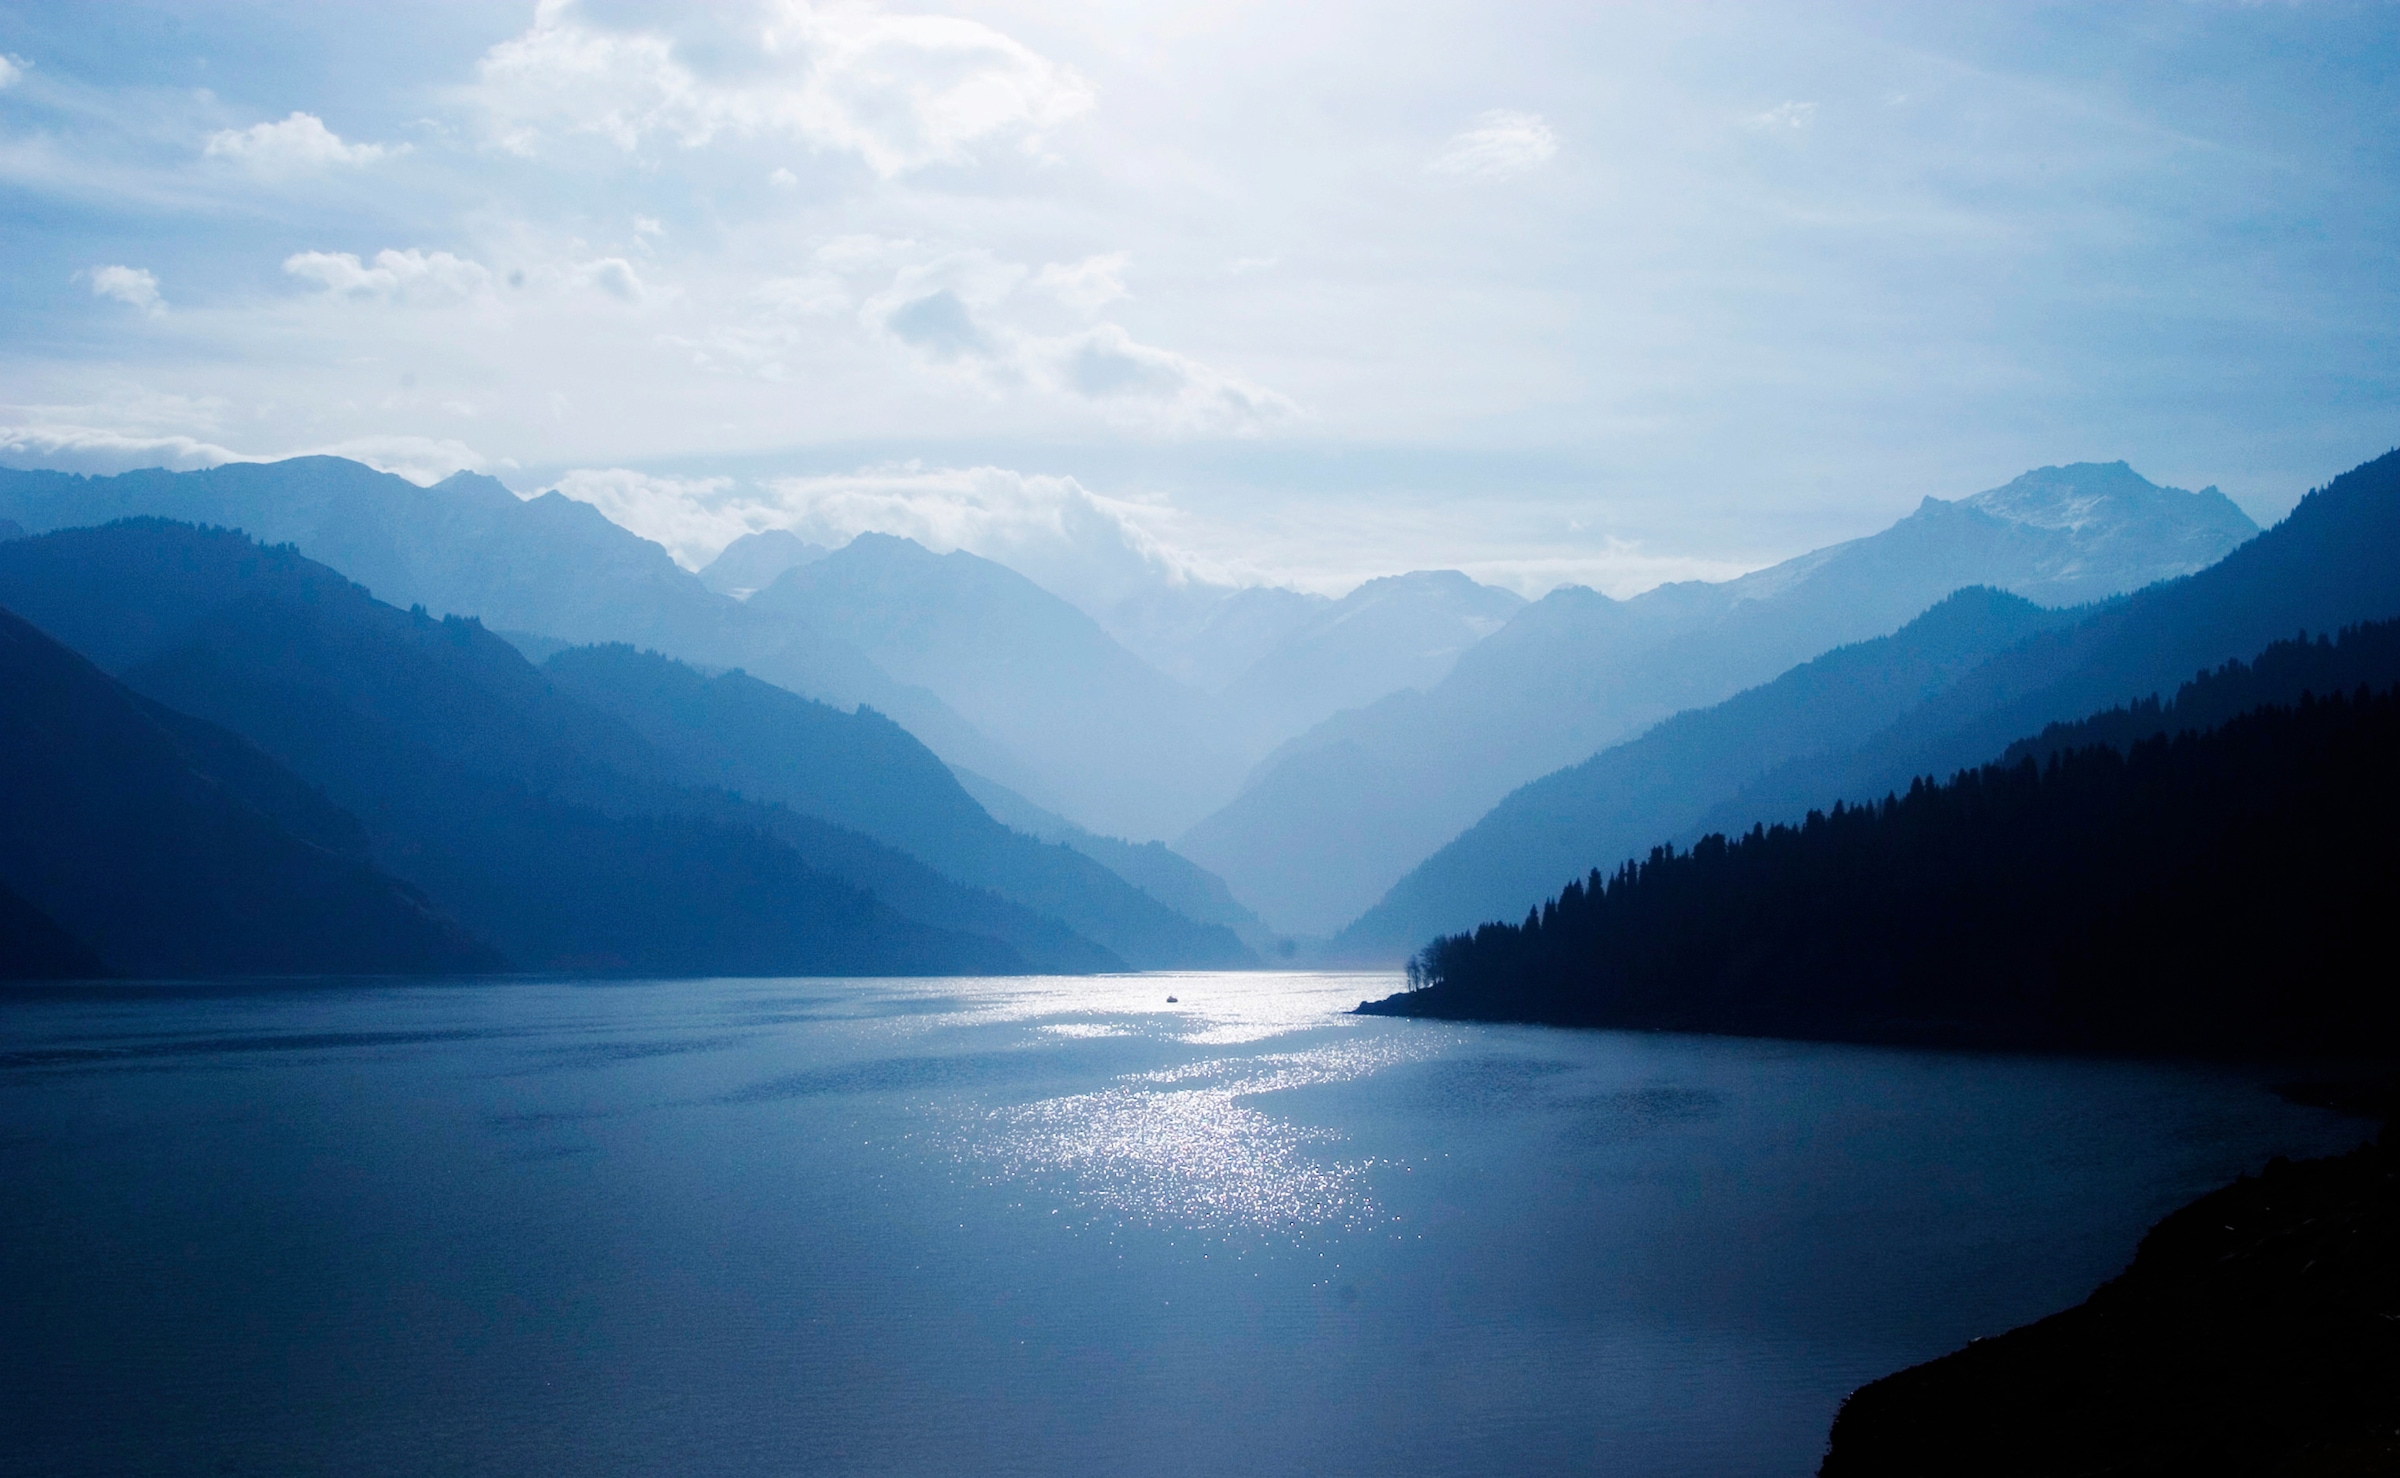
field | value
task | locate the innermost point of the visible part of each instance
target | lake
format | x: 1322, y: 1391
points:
x: 1018, y: 1226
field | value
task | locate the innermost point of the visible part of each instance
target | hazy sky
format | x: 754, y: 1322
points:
x: 1305, y: 292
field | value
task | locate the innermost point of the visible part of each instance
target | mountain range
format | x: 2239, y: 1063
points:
x: 1952, y: 689
x: 544, y: 823
x: 1430, y: 696
x: 1337, y: 816
x: 1050, y: 704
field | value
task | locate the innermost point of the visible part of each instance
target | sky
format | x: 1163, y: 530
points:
x: 1300, y: 293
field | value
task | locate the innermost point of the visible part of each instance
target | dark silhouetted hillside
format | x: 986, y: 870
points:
x: 1627, y: 798
x: 161, y: 845
x: 543, y: 824
x: 33, y: 947
x: 2253, y: 1334
x: 2209, y: 892
x: 865, y: 772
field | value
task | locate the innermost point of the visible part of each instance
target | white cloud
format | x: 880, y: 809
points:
x: 1502, y: 143
x: 11, y: 68
x: 899, y: 91
x: 693, y: 517
x: 297, y: 144
x: 424, y: 460
x: 1086, y: 548
x: 1140, y: 383
x: 99, y: 450
x: 809, y: 295
x: 1086, y: 286
x: 955, y: 312
x: 135, y: 287
x: 1782, y: 118
x: 396, y: 276
x: 612, y: 275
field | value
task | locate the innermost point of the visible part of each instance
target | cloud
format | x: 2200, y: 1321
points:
x: 1092, y: 550
x: 296, y: 145
x: 1501, y: 144
x: 11, y: 68
x: 423, y: 460
x: 97, y: 450
x: 1086, y: 286
x: 693, y: 517
x: 1783, y: 118
x: 958, y: 311
x: 900, y: 92
x: 809, y: 295
x: 1139, y: 382
x: 92, y: 449
x: 135, y: 287
x: 396, y: 276
x: 1089, y: 549
x: 612, y: 275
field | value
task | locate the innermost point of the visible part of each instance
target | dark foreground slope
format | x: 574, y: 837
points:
x: 544, y: 825
x: 2208, y: 892
x: 154, y: 844
x: 862, y: 771
x: 33, y: 947
x: 2254, y: 1334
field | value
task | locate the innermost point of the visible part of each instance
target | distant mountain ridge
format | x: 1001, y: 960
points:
x: 2333, y: 562
x: 1401, y: 631
x: 1629, y: 797
x: 548, y: 566
x: 864, y: 772
x: 544, y: 825
x: 1166, y: 875
x: 1141, y: 752
x: 1331, y: 821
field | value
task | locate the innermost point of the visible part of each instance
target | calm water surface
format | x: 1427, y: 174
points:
x: 1050, y: 1226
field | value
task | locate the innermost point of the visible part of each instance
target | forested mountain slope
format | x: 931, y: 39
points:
x: 34, y: 947
x: 2209, y: 892
x: 161, y: 845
